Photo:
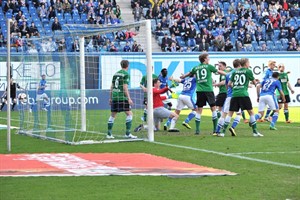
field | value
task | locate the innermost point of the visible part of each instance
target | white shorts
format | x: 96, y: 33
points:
x: 185, y: 100
x: 226, y: 105
x: 160, y: 113
x: 41, y: 97
x: 269, y: 100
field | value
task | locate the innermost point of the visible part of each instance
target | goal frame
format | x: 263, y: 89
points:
x: 82, y: 53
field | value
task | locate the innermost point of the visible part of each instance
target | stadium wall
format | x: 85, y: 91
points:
x: 99, y: 72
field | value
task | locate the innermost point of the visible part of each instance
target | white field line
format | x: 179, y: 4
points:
x: 230, y: 155
x: 249, y: 153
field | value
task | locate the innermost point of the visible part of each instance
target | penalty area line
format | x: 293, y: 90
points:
x: 230, y: 155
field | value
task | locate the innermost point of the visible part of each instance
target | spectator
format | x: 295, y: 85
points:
x: 264, y: 47
x: 159, y: 30
x: 247, y: 40
x: 113, y: 48
x: 127, y: 47
x: 298, y: 83
x: 140, y: 49
x: 120, y: 35
x: 203, y: 46
x: 283, y: 33
x: 129, y: 35
x: 75, y: 46
x: 135, y: 47
x: 149, y: 14
x: 228, y: 45
x: 62, y: 45
x: 66, y: 6
x: 219, y: 43
x: 269, y: 31
x: 191, y: 35
x: 137, y: 14
x: 56, y: 25
x: 175, y: 29
x: 25, y: 30
x: 33, y: 30
x: 51, y: 13
x: 58, y: 6
x: 165, y: 42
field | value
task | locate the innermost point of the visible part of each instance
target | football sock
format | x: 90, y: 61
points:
x: 218, y: 114
x: 197, y: 120
x: 168, y: 122
x: 257, y: 116
x: 236, y: 121
x: 128, y: 124
x: 272, y: 113
x: 190, y: 117
x: 220, y: 124
x: 274, y: 119
x: 173, y: 122
x: 13, y: 106
x: 110, y: 124
x: 267, y: 113
x: 226, y: 123
x: 243, y: 115
x: 215, y: 120
x: 2, y: 106
x: 145, y: 115
x: 253, y: 123
x: 286, y: 114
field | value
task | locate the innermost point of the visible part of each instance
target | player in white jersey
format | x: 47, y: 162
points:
x: 225, y: 110
x: 266, y: 97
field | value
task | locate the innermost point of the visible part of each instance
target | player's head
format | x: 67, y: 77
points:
x: 124, y: 64
x: 156, y: 83
x: 281, y: 67
x: 164, y: 72
x: 43, y: 76
x: 245, y: 62
x: 222, y: 65
x: 236, y: 63
x: 204, y: 58
x: 271, y: 64
x: 275, y: 75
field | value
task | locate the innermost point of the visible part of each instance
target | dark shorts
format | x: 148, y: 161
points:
x: 287, y: 99
x: 145, y: 102
x: 120, y: 106
x: 220, y: 100
x: 203, y: 97
x: 237, y: 103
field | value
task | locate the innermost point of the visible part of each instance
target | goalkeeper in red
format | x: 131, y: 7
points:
x: 120, y: 100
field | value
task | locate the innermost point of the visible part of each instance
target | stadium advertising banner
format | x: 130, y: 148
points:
x: 183, y: 63
x: 28, y: 74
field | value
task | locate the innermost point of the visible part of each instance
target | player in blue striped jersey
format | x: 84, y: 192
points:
x: 267, y: 75
x: 225, y: 110
x: 266, y: 96
x: 186, y: 98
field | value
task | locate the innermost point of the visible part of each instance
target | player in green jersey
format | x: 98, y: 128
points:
x: 239, y: 81
x: 204, y: 89
x: 286, y: 86
x: 120, y: 100
x: 221, y: 97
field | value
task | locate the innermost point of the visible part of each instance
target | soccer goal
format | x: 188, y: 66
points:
x: 67, y: 77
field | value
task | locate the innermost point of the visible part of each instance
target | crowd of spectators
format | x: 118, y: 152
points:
x: 224, y: 25
x: 33, y: 23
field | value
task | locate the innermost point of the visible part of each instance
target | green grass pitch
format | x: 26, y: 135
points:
x: 268, y: 167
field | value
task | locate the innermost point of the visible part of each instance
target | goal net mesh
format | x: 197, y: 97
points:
x: 55, y: 60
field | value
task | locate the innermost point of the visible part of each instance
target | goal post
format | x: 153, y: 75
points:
x: 75, y: 108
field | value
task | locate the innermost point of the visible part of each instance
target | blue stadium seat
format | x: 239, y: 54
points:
x: 270, y: 43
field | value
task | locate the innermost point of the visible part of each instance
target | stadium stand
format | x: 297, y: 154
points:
x: 225, y: 25
x: 249, y: 25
